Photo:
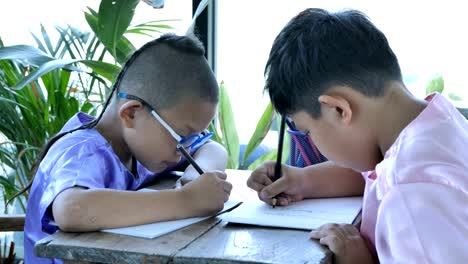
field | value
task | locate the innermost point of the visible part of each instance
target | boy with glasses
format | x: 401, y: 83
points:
x: 161, y: 101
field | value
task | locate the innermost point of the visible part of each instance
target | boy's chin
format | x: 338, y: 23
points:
x: 157, y: 168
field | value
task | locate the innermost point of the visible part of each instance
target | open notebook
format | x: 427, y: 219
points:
x: 307, y: 214
x: 161, y: 228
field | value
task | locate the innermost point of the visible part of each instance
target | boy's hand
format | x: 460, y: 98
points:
x: 182, y: 181
x: 208, y: 192
x: 345, y: 242
x: 188, y: 176
x: 287, y: 188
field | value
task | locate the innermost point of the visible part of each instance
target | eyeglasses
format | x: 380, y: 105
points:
x: 191, y: 141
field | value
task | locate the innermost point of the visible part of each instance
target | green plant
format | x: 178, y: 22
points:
x: 226, y: 134
x: 8, y: 256
x: 272, y: 155
x: 41, y: 88
x: 36, y: 109
x: 437, y: 85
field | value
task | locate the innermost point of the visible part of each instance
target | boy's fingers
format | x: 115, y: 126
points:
x: 333, y: 243
x: 251, y: 182
x: 327, y: 240
x: 330, y: 227
x: 349, y: 230
x: 227, y: 187
x: 258, y: 181
x: 273, y: 189
x: 265, y: 180
x: 283, y: 201
x: 322, y: 231
x: 221, y: 175
x: 256, y: 186
x: 260, y: 198
x: 316, y: 234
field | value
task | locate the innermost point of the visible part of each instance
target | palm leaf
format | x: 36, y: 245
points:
x: 263, y: 126
x: 47, y: 42
x: 24, y: 53
x: 268, y: 156
x: 43, y: 69
x: 124, y: 47
x: 228, y: 128
x: 106, y: 70
x: 216, y: 137
x: 114, y: 17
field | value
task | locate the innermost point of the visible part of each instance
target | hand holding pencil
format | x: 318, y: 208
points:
x: 279, y: 155
x: 271, y: 180
x: 286, y: 190
x: 207, y: 193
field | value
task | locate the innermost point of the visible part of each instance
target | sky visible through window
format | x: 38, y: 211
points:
x: 428, y: 37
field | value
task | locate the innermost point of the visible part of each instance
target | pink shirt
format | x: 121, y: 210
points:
x: 416, y: 201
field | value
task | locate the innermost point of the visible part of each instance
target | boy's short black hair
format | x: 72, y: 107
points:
x: 318, y: 49
x: 167, y: 70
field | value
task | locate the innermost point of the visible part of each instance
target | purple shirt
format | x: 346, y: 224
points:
x: 83, y: 158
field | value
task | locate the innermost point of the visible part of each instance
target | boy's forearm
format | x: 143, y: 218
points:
x: 82, y: 210
x: 329, y: 180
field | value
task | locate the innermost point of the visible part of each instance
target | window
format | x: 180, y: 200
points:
x: 429, y: 38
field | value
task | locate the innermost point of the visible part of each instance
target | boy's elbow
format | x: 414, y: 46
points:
x: 221, y: 154
x: 66, y: 225
x: 215, y: 152
x: 69, y: 213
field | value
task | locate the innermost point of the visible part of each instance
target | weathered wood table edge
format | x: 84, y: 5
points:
x: 210, y: 241
x: 228, y: 243
x: 179, y: 246
x: 114, y: 248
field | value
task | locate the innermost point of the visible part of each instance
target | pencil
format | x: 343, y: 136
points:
x: 279, y: 156
x: 190, y: 159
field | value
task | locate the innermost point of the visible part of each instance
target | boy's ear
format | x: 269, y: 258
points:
x: 127, y: 112
x: 338, y: 106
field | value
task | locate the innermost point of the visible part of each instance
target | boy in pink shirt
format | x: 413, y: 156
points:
x: 336, y: 77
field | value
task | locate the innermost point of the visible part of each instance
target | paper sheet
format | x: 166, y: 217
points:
x: 161, y: 228
x: 307, y: 214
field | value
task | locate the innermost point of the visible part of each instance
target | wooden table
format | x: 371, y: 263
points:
x: 210, y: 241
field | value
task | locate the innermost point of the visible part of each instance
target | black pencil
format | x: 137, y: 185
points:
x: 279, y: 155
x: 190, y: 159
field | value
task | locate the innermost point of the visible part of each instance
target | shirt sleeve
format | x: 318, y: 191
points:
x: 84, y: 165
x: 423, y: 223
